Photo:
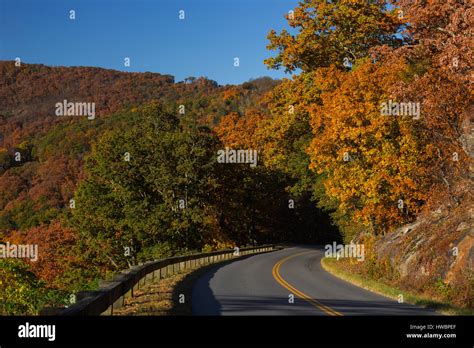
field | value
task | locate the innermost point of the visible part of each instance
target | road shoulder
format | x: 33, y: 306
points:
x: 332, y: 266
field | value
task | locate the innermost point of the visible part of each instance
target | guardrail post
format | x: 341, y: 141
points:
x: 150, y: 277
x: 136, y: 287
x: 128, y: 294
x: 119, y: 303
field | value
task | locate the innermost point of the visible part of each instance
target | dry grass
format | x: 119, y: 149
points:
x: 161, y: 298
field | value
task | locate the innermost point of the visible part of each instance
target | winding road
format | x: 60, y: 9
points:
x: 266, y: 284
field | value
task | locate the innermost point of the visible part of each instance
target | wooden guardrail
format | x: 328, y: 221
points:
x: 112, y: 294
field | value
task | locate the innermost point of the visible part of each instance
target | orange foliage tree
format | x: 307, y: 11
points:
x: 58, y: 260
x: 374, y: 164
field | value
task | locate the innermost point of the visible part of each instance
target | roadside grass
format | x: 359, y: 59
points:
x: 337, y: 269
x: 162, y: 298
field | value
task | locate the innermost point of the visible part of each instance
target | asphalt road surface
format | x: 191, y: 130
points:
x: 264, y: 285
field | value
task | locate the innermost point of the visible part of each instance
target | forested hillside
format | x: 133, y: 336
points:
x: 370, y: 140
x: 56, y: 179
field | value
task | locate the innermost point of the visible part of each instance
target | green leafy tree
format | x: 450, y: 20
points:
x: 148, y: 185
x: 21, y: 292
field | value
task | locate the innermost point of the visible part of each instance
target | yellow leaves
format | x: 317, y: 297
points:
x: 379, y: 153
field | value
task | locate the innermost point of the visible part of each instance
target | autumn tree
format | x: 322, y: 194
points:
x: 438, y: 77
x: 332, y: 32
x: 59, y: 262
x: 373, y: 164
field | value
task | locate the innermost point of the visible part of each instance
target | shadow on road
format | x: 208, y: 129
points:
x: 185, y: 287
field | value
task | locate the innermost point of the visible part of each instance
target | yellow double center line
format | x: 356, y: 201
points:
x: 288, y: 286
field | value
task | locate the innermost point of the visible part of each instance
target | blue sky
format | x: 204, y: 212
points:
x: 104, y: 32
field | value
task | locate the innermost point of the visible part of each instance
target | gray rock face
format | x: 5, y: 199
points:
x: 438, y: 246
